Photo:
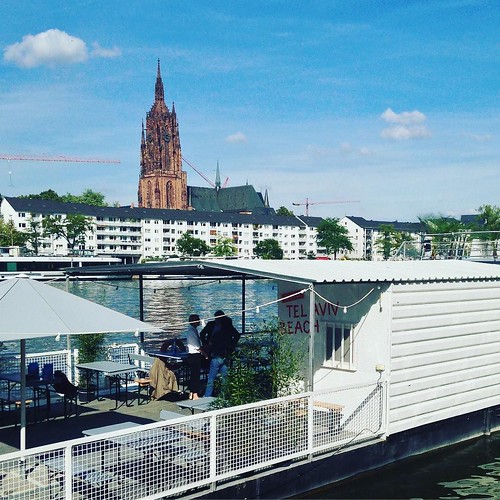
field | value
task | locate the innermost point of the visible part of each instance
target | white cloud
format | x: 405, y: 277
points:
x: 51, y: 48
x: 407, y: 125
x: 238, y: 137
x: 98, y: 51
x: 400, y: 132
x: 404, y: 118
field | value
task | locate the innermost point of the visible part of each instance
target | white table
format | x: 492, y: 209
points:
x: 110, y: 428
x: 202, y: 404
x: 111, y: 369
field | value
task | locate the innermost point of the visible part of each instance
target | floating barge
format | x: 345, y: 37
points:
x: 402, y: 358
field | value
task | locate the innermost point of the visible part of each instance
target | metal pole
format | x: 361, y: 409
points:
x: 22, y: 438
x: 141, y: 302
x: 243, y: 304
x: 312, y: 318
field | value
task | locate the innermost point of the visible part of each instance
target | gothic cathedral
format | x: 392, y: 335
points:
x: 162, y: 182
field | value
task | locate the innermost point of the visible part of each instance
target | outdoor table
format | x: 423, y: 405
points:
x: 172, y: 360
x: 117, y: 372
x: 109, y: 428
x: 202, y: 404
x: 36, y: 384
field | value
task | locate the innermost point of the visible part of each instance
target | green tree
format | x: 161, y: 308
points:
x: 88, y: 197
x: 224, y: 247
x: 190, y: 246
x: 489, y: 220
x: 257, y: 373
x: 49, y: 194
x: 268, y: 249
x: 284, y: 211
x: 391, y: 241
x: 333, y: 237
x: 386, y: 239
x: 34, y: 233
x: 9, y: 235
x: 72, y: 228
x: 448, y: 237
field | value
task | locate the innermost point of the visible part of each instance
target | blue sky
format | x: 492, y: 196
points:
x: 389, y: 106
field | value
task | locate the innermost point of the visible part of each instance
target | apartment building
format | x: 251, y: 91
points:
x: 365, y: 233
x: 134, y: 233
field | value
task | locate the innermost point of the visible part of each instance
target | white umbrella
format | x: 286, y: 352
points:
x: 30, y: 309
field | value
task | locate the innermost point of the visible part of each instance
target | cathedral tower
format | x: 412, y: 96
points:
x: 162, y: 182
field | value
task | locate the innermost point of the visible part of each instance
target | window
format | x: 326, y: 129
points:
x: 339, y: 351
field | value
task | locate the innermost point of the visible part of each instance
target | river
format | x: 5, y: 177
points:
x: 469, y: 470
x: 166, y: 304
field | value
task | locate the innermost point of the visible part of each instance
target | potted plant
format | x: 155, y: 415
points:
x: 90, y: 348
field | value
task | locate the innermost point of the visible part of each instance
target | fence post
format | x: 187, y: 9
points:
x: 213, y: 452
x: 310, y: 426
x: 68, y: 473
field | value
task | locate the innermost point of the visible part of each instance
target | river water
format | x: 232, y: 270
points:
x: 468, y: 470
x: 166, y: 304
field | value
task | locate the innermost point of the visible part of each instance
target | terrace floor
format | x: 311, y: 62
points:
x: 90, y: 415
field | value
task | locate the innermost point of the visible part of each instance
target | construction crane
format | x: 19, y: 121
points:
x: 70, y: 159
x: 185, y: 160
x: 307, y: 203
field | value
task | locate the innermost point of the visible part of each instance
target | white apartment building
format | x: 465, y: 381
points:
x: 365, y: 233
x: 137, y: 233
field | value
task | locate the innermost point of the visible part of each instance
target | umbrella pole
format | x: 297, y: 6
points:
x: 22, y: 438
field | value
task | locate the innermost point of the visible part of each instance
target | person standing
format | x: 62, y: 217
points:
x: 220, y: 338
x: 194, y: 356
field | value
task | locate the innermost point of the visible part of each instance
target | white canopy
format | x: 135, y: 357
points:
x: 30, y: 309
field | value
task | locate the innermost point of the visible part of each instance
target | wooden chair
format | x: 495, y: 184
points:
x: 142, y: 378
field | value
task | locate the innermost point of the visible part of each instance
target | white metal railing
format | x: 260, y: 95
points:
x: 194, y: 452
x: 60, y: 360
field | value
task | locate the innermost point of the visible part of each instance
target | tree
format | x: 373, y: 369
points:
x: 256, y: 374
x: 391, y: 240
x: 9, y: 235
x: 333, y: 236
x: 385, y: 241
x: 72, y: 228
x: 34, y: 233
x: 489, y: 217
x: 49, y: 194
x: 89, y: 197
x: 224, y: 247
x: 284, y: 211
x: 268, y: 249
x: 446, y: 242
x: 190, y: 246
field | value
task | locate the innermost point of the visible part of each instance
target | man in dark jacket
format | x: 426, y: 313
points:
x: 219, y: 339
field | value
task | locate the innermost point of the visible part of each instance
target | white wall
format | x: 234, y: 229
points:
x: 372, y: 335
x: 445, y: 351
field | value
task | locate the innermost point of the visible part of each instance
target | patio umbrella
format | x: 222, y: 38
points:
x: 30, y: 309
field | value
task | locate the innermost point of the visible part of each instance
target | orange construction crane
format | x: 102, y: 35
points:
x: 307, y: 203
x: 71, y: 159
x: 185, y: 160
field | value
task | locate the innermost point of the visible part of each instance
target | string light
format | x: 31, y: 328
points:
x: 58, y: 337
x: 257, y: 309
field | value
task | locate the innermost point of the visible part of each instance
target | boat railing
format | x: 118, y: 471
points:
x: 198, y: 453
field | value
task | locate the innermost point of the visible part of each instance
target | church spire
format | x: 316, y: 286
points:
x: 159, y: 95
x: 217, y: 177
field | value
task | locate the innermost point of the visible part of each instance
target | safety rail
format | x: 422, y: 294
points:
x: 60, y: 360
x: 192, y: 453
